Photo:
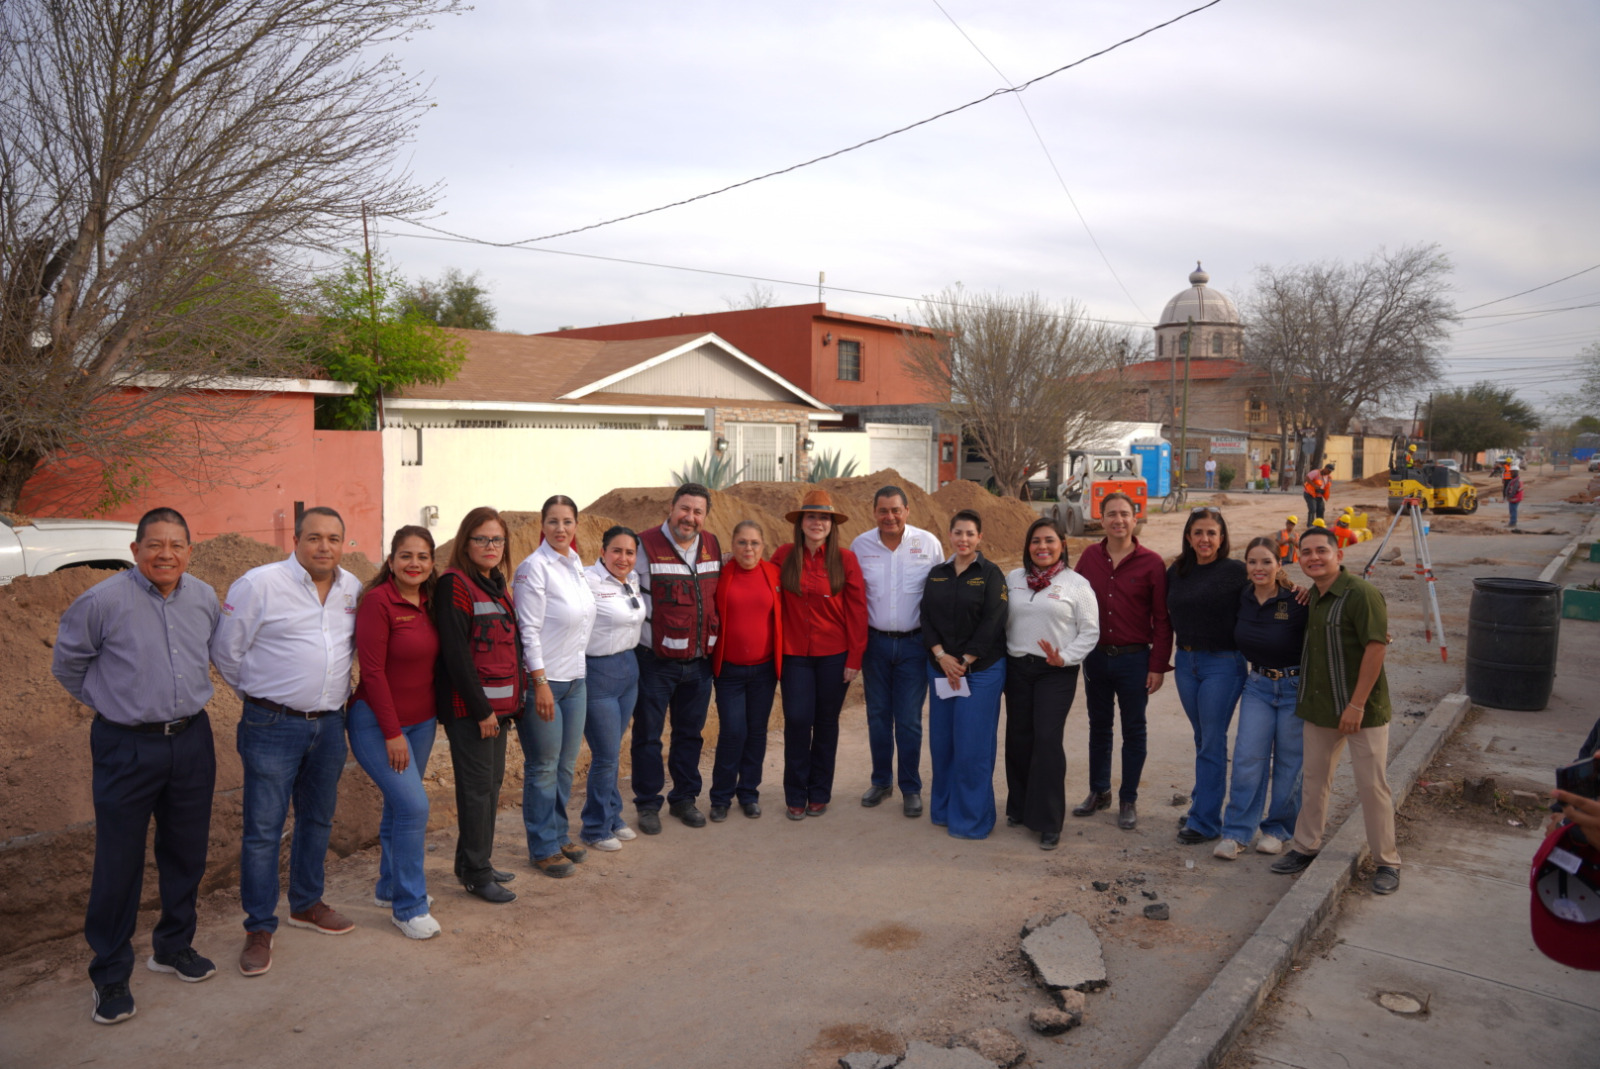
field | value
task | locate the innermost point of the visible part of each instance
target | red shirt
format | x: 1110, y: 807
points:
x: 1133, y: 600
x: 819, y: 623
x: 396, y: 646
x: 749, y: 626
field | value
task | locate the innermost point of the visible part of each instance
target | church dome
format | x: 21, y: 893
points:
x: 1202, y: 303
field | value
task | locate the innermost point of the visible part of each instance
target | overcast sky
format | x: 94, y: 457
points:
x: 1254, y: 132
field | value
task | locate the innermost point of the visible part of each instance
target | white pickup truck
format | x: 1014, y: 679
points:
x: 38, y: 547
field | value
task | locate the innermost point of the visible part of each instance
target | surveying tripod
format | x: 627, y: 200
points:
x: 1412, y: 507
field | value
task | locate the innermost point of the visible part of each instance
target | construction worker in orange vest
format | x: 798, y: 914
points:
x: 1343, y: 532
x: 1318, y: 485
x: 1287, y: 551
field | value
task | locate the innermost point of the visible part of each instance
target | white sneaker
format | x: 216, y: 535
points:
x: 1227, y: 850
x: 1269, y: 844
x: 607, y: 844
x: 625, y: 833
x: 388, y: 903
x: 423, y: 927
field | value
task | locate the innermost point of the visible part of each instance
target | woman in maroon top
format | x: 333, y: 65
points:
x: 746, y: 663
x: 391, y: 719
x: 824, y: 638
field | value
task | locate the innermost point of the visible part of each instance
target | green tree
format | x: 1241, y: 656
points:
x: 1481, y: 416
x: 365, y: 335
x: 451, y: 300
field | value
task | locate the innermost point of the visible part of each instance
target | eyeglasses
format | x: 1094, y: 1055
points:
x: 487, y: 541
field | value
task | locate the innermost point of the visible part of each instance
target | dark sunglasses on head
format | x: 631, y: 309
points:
x: 1205, y: 508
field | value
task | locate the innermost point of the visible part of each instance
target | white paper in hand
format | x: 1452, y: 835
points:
x: 942, y: 688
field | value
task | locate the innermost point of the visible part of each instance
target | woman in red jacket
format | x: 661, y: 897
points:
x: 746, y: 663
x: 391, y: 719
x: 824, y: 637
x: 478, y: 687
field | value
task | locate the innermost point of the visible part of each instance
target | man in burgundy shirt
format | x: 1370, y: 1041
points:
x: 1130, y: 585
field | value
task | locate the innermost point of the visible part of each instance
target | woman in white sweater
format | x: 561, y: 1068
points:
x: 1053, y: 624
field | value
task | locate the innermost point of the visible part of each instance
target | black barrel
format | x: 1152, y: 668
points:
x: 1513, y: 629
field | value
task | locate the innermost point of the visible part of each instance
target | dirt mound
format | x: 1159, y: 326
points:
x: 1005, y: 519
x: 647, y: 506
x: 1375, y: 480
x: 221, y: 560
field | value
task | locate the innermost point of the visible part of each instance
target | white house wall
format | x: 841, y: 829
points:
x: 517, y: 468
x: 850, y: 445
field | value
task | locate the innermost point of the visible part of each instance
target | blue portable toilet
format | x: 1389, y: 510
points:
x: 1155, y: 465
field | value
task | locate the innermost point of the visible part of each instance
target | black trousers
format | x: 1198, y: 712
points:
x: 480, y: 766
x: 138, y: 776
x: 1038, y: 697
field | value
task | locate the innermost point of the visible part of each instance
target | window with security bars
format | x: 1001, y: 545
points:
x: 850, y: 361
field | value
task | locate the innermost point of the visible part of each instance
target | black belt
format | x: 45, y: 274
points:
x: 167, y: 727
x: 1118, y: 651
x: 1202, y: 649
x: 893, y: 634
x: 279, y: 707
x: 1275, y: 673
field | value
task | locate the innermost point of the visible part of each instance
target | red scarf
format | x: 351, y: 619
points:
x: 1038, y: 580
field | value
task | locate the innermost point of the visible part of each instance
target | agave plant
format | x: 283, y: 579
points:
x: 831, y: 466
x: 712, y: 471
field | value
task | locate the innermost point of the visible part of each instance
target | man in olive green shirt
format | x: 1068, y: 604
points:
x: 1344, y: 697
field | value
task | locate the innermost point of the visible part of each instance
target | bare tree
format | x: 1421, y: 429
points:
x: 1340, y: 338
x: 160, y: 166
x: 1025, y: 376
x: 757, y: 296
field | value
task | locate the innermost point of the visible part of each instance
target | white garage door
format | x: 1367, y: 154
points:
x: 906, y: 449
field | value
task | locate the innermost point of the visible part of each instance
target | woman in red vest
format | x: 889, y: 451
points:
x: 824, y: 638
x: 747, y: 664
x: 478, y: 686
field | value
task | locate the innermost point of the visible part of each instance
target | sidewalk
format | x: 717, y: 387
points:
x: 1456, y: 936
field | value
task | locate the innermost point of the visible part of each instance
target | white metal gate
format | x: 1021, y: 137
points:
x: 763, y: 452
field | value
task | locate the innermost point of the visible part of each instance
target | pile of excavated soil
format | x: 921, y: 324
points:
x: 221, y: 560
x: 1005, y: 519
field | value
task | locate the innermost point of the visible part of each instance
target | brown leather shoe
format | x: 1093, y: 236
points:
x: 322, y: 918
x: 256, y: 958
x: 555, y: 865
x: 1127, y: 816
x: 573, y: 852
x: 1096, y: 801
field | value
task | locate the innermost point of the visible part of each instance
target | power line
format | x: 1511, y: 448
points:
x: 1535, y: 289
x: 849, y: 148
x: 1048, y: 158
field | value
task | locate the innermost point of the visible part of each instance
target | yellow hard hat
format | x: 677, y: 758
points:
x: 1342, y: 521
x: 1349, y: 510
x: 1318, y: 522
x: 1293, y: 519
x: 1411, y: 448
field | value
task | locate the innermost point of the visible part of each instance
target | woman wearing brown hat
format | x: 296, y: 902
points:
x: 824, y: 638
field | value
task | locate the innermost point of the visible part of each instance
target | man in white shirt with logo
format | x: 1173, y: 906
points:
x: 285, y: 644
x: 895, y: 560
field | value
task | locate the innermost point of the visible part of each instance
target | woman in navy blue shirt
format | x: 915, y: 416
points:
x: 1270, y: 631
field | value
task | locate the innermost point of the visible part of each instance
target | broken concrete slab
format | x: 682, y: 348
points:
x: 1053, y: 1022
x: 867, y: 1059
x: 920, y: 1055
x: 996, y: 1044
x: 1157, y: 911
x: 1066, y: 954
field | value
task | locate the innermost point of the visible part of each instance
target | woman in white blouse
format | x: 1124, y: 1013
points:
x: 555, y: 614
x: 1053, y: 625
x: 611, y: 682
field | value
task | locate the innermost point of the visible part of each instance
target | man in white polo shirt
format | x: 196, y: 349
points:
x: 895, y: 560
x: 284, y: 644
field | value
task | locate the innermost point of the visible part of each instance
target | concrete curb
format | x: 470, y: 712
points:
x: 1562, y: 559
x: 1203, y: 1034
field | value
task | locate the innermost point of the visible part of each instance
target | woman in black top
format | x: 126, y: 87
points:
x: 1202, y: 601
x: 964, y: 628
x: 1270, y: 632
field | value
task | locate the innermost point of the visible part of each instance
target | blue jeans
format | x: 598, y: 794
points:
x: 549, y: 757
x: 684, y: 688
x: 1110, y: 683
x: 1513, y: 506
x: 962, y: 742
x: 1209, y: 685
x: 286, y: 757
x: 744, y: 706
x: 813, y: 693
x: 611, y: 686
x: 403, y: 829
x: 1211, y: 479
x: 1269, y: 736
x: 895, y: 677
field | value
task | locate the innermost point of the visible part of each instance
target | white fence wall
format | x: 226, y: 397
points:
x: 850, y: 445
x: 517, y: 468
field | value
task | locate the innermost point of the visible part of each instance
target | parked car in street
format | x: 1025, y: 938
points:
x: 1594, y: 462
x: 38, y: 547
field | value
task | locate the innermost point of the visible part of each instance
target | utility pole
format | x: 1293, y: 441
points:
x: 372, y: 305
x: 822, y: 276
x: 1183, y: 431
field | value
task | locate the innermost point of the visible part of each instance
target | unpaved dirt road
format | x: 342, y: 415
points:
x: 749, y: 943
